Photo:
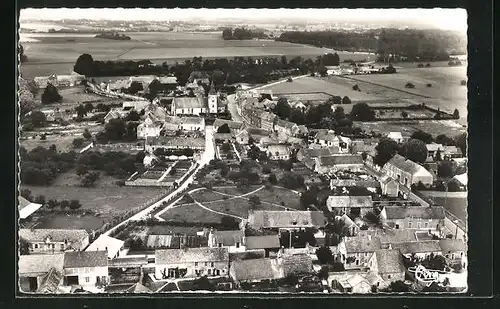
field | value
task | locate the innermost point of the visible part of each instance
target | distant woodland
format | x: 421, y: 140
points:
x: 389, y: 44
x: 242, y: 34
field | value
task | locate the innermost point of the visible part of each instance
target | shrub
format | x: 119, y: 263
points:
x: 120, y: 183
x: 427, y: 65
x: 78, y: 142
x: 463, y: 82
x: 409, y: 85
x: 43, y: 137
x: 428, y: 85
x: 420, y: 65
x: 404, y: 114
x: 356, y: 88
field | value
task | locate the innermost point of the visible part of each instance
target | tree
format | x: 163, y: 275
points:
x: 324, y: 273
x: 90, y: 179
x: 38, y: 119
x: 456, y: 114
x: 386, y: 149
x: 53, y: 148
x: 84, y: 65
x: 445, y: 140
x: 323, y: 71
x: 362, y: 112
x: 404, y: 114
x: 81, y: 111
x: 272, y: 179
x: 78, y: 142
x: 74, y: 204
x: 398, y: 286
x: 51, y: 204
x: 463, y: 82
x: 51, y: 95
x: 135, y: 87
x: 229, y: 223
x: 43, y: 137
x: 23, y: 246
x: 154, y: 87
x: 415, y: 150
x: 224, y: 129
x: 133, y: 116
x: 291, y: 180
x: 40, y: 199
x: 227, y: 34
x: 254, y: 201
x: 346, y: 100
x: 356, y: 87
x: 89, y: 107
x: 26, y: 193
x: 87, y: 134
x: 325, y: 255
x: 115, y: 129
x: 436, y: 262
x: 339, y: 114
x: 423, y: 136
x: 81, y: 169
x: 409, y: 85
x: 64, y: 204
x: 445, y: 169
x: 282, y: 108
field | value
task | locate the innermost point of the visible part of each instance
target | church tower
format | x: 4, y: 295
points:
x: 212, y: 99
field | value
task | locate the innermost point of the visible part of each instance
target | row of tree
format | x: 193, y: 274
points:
x: 113, y: 163
x: 242, y: 34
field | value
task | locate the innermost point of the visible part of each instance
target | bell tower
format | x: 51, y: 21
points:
x: 212, y: 99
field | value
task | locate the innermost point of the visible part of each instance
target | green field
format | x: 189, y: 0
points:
x: 456, y: 205
x: 107, y: 201
x: 311, y: 84
x: 57, y: 53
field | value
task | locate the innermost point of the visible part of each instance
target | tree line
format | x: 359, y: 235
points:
x: 242, y: 34
x: 389, y: 44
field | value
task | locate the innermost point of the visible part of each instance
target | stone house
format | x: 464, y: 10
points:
x: 407, y: 172
x: 86, y: 268
x: 49, y: 241
x: 414, y: 217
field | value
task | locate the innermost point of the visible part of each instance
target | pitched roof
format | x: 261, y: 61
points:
x: 262, y: 242
x: 231, y: 124
x: 168, y: 80
x: 327, y: 135
x: 296, y: 264
x: 452, y: 150
x: 320, y: 152
x: 395, y: 135
x: 434, y: 147
x: 40, y: 263
x: 228, y: 238
x: 398, y: 212
x: 51, y: 282
x: 26, y: 208
x: 276, y: 219
x: 73, y: 237
x: 286, y: 124
x: 104, y: 242
x: 278, y: 148
x: 191, y: 255
x: 184, y: 120
x: 268, y: 116
x: 354, y: 183
x: 389, y: 261
x: 175, y: 241
x: 347, y: 221
x: 462, y: 178
x: 425, y: 246
x: 188, y: 102
x: 188, y: 142
x: 340, y: 159
x: 392, y: 236
x: 452, y: 245
x: 403, y: 164
x: 342, y: 201
x: 255, y: 269
x: 85, y: 259
x: 129, y: 261
x: 361, y: 243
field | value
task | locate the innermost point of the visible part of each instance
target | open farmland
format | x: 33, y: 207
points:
x: 434, y: 127
x: 317, y: 85
x: 57, y: 53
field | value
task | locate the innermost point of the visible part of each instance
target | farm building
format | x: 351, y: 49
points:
x: 407, y: 172
x: 278, y: 152
x: 34, y: 268
x: 86, y: 268
x: 396, y: 136
x: 345, y: 204
x: 332, y: 163
x: 285, y: 219
x: 414, y: 217
x: 114, y: 247
x: 41, y: 241
x: 189, y: 106
x: 174, y: 142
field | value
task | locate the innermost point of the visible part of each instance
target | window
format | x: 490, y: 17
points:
x: 409, y: 224
x: 357, y: 262
x: 220, y: 245
x: 237, y: 245
x: 418, y: 224
x: 62, y: 246
x: 209, y: 272
x: 36, y: 246
x: 426, y: 224
x: 206, y: 263
x: 388, y: 276
x: 212, y: 264
x: 87, y: 279
x: 366, y: 254
x: 195, y: 263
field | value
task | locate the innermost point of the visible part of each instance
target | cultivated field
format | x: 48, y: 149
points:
x: 434, y: 127
x: 312, y: 84
x: 107, y: 200
x: 63, y: 49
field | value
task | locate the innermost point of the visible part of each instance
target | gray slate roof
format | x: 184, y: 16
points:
x: 262, y: 242
x: 255, y: 269
x: 276, y: 219
x: 297, y: 264
x: 40, y: 263
x: 341, y: 201
x: 191, y: 255
x: 426, y: 246
x: 79, y: 259
x: 389, y: 261
x: 398, y: 212
x: 341, y: 159
x: 361, y: 243
x: 228, y: 238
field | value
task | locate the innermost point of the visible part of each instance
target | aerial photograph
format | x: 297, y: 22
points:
x: 316, y: 151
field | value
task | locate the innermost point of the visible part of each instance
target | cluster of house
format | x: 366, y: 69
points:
x: 61, y: 260
x: 71, y: 80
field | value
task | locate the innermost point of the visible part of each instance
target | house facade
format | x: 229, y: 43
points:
x: 191, y: 262
x: 188, y: 106
x: 407, y: 172
x: 86, y: 268
x: 389, y: 265
x: 418, y: 249
x: 343, y: 204
x: 49, y: 241
x: 414, y: 217
x: 286, y: 127
x: 267, y: 120
x: 278, y: 152
x: 114, y: 247
x: 358, y: 252
x: 172, y: 143
x: 149, y: 128
x: 33, y: 268
x: 333, y: 163
x: 234, y: 241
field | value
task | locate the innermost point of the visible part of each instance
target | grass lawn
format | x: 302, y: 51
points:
x: 205, y: 195
x: 191, y: 213
x: 238, y: 207
x: 61, y: 221
x: 235, y: 191
x: 71, y: 179
x: 107, y: 201
x: 278, y: 195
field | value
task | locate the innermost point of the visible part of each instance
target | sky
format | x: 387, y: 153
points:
x: 446, y: 19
